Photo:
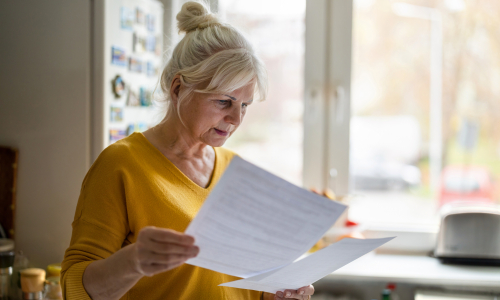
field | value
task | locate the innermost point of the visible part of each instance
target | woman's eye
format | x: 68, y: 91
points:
x: 223, y: 102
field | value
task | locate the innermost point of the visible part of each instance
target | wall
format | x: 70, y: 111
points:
x: 44, y: 112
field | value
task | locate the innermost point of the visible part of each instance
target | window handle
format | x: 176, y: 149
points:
x: 340, y: 102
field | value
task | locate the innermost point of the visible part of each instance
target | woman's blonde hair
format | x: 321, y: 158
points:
x: 212, y: 57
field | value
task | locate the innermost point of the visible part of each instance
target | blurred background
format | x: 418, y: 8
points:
x: 391, y: 106
x: 411, y: 150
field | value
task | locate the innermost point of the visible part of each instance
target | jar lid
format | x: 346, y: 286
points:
x: 54, y: 270
x: 6, y: 245
x: 32, y: 272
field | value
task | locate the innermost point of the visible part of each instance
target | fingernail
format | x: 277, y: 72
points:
x: 280, y: 294
x: 288, y: 294
x: 301, y: 292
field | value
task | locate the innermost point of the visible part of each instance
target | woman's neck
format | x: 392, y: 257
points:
x: 172, y: 139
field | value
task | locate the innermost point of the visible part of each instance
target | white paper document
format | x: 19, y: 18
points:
x: 311, y: 268
x: 254, y: 225
x: 253, y: 222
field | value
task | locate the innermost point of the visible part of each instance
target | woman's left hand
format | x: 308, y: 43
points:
x: 304, y: 293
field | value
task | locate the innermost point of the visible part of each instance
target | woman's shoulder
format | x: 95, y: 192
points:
x: 225, y: 151
x: 225, y: 155
x: 121, y: 152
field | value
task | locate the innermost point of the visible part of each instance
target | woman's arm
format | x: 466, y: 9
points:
x: 156, y: 250
x: 112, y: 277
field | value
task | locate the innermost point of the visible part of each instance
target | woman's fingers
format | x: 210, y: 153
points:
x: 165, y: 259
x: 306, y: 290
x: 167, y: 236
x: 302, y: 293
x: 167, y: 248
x: 155, y: 263
x: 159, y: 250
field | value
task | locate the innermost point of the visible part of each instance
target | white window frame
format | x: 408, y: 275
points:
x: 327, y: 115
x: 327, y: 88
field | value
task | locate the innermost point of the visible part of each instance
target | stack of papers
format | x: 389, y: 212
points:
x: 254, y: 225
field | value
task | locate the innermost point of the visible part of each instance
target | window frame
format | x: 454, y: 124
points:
x: 327, y: 90
x: 327, y: 115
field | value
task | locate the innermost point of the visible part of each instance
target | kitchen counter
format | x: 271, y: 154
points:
x: 421, y: 270
x: 366, y: 277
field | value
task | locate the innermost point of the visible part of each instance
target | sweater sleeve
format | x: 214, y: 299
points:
x: 100, y: 226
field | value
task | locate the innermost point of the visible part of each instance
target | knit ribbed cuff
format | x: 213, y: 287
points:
x: 73, y: 282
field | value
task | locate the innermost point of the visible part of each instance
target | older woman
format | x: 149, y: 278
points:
x: 142, y: 192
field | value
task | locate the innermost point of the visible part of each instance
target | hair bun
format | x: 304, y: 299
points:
x: 195, y: 15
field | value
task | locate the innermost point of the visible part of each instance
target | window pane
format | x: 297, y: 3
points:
x: 411, y: 75
x: 271, y: 134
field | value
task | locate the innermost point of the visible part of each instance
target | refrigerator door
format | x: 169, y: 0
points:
x: 128, y: 59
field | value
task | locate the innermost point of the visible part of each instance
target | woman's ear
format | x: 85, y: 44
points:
x: 175, y: 88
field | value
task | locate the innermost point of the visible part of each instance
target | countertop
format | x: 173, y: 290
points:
x: 423, y: 270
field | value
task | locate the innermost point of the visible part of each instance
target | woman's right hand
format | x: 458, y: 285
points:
x: 158, y: 250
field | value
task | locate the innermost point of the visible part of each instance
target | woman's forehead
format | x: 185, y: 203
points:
x: 244, y: 93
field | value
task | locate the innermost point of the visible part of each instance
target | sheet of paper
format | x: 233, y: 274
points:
x: 253, y: 222
x: 311, y: 268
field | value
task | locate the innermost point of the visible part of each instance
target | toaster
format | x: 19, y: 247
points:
x: 469, y: 235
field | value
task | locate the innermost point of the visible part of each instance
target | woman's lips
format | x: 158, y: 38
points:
x: 221, y: 132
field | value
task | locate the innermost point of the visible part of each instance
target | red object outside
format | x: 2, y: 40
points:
x: 466, y: 183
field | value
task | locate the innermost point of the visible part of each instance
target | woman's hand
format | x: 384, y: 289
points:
x: 158, y: 250
x: 304, y: 293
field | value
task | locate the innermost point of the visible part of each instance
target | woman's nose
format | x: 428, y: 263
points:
x: 235, y: 115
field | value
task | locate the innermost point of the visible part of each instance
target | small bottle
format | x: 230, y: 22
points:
x: 53, y: 288
x: 386, y: 294
x: 392, y: 287
x: 6, y: 262
x: 20, y: 263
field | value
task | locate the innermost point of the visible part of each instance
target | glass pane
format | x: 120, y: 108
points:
x: 271, y: 134
x: 417, y: 66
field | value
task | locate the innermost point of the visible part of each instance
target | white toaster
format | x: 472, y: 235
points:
x: 469, y: 235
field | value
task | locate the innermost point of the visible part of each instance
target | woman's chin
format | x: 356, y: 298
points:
x: 216, y: 142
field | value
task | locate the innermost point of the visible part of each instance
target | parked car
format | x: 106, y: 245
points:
x: 384, y: 176
x: 384, y: 151
x: 466, y: 184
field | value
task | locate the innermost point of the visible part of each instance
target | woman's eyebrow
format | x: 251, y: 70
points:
x: 232, y: 98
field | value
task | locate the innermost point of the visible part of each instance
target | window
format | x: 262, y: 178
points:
x: 401, y: 104
x: 394, y: 104
x: 425, y: 105
x: 271, y: 134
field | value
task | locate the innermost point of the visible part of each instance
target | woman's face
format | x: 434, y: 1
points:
x: 211, y: 118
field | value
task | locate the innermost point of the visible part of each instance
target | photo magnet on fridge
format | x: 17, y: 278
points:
x: 145, y: 96
x: 151, y: 70
x: 118, y: 86
x: 151, y: 43
x: 150, y: 22
x: 127, y: 18
x: 135, y: 65
x: 133, y: 99
x: 116, y: 135
x: 139, y: 15
x: 118, y: 56
x: 116, y: 114
x: 139, y: 43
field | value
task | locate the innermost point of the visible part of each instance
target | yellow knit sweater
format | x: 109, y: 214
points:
x: 132, y: 185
